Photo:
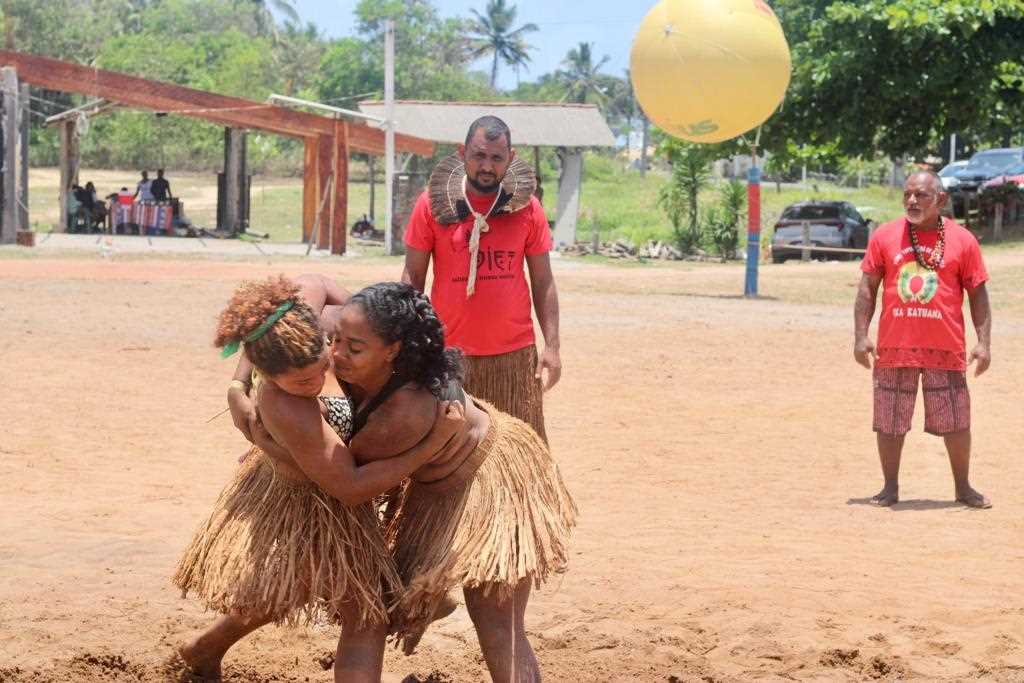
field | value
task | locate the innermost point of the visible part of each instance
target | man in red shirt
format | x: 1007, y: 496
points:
x: 481, y: 224
x: 925, y: 263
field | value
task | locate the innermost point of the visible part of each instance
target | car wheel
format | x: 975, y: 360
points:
x: 778, y: 259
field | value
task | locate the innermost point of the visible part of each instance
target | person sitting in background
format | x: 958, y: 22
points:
x: 97, y: 210
x: 125, y: 197
x: 74, y: 207
x: 81, y: 194
x: 160, y: 188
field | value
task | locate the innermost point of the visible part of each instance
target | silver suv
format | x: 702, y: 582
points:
x: 832, y: 224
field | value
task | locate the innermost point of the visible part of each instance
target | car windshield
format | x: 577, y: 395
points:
x: 992, y: 161
x: 810, y: 213
x: 950, y: 169
x: 1015, y: 170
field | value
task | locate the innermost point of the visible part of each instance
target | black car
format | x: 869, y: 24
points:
x: 982, y: 167
x: 832, y: 224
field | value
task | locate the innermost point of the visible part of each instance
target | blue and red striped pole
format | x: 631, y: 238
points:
x: 753, y: 227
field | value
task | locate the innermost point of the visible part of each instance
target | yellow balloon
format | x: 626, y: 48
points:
x: 710, y: 70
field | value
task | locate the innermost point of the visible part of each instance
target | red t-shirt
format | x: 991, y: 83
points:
x: 497, y: 318
x: 922, y: 320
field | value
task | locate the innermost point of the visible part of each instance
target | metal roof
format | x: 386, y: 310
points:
x: 532, y: 124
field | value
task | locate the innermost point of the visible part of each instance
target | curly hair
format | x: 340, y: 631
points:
x: 294, y: 341
x: 397, y: 312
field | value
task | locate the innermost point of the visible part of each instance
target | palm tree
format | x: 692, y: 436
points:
x: 580, y: 78
x: 297, y: 49
x: 494, y: 35
x: 265, y: 17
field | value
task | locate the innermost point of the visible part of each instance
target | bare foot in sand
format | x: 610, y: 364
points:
x: 199, y: 666
x: 973, y: 499
x: 890, y: 495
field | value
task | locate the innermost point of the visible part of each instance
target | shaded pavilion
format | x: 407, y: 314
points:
x: 328, y: 140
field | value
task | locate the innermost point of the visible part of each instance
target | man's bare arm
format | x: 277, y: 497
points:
x: 545, y: 301
x: 981, y: 315
x: 863, y: 312
x: 415, y: 271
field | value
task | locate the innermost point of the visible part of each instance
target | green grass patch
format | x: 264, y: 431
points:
x: 622, y: 205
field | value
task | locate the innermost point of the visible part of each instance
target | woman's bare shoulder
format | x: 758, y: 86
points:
x: 285, y: 412
x: 398, y: 424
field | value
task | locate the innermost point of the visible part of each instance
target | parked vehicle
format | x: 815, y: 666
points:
x: 948, y: 174
x: 982, y: 167
x: 987, y: 165
x: 1014, y: 174
x: 832, y: 224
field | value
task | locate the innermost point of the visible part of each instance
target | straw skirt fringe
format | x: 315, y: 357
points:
x: 508, y: 382
x: 509, y: 522
x: 284, y: 549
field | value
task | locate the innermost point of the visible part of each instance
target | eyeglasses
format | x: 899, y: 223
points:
x: 921, y: 197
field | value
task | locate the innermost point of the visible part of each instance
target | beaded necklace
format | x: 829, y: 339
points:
x: 935, y: 259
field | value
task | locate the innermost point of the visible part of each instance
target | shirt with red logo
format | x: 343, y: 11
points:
x: 497, y: 318
x: 922, y: 319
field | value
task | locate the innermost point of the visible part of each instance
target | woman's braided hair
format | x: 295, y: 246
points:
x: 294, y: 341
x: 397, y: 312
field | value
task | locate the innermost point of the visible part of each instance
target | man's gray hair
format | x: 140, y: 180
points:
x: 936, y: 179
x: 493, y: 128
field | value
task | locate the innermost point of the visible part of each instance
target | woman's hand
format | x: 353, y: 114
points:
x: 243, y: 412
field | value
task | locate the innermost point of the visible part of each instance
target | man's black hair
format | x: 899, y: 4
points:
x: 493, y: 128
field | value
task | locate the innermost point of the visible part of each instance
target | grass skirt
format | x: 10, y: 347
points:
x: 510, y: 521
x: 508, y: 382
x: 282, y: 548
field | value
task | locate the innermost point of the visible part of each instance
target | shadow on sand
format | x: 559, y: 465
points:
x: 912, y: 505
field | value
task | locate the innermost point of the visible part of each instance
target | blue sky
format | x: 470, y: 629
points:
x: 608, y: 24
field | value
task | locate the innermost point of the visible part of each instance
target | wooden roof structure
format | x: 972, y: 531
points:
x: 328, y: 140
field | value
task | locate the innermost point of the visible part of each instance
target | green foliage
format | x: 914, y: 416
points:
x: 1004, y: 194
x: 896, y: 76
x: 600, y: 167
x: 723, y: 222
x: 494, y: 35
x: 691, y: 173
x: 580, y: 76
x: 430, y: 57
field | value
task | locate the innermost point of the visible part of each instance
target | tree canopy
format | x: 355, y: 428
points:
x: 896, y: 76
x: 870, y: 77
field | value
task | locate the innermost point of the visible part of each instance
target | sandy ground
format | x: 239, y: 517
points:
x: 719, y: 449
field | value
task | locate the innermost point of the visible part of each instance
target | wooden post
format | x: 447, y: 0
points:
x: 9, y: 190
x: 23, y: 139
x: 339, y: 218
x: 310, y: 190
x: 68, y: 167
x: 389, y: 135
x: 997, y: 228
x: 805, y: 253
x: 324, y: 160
x: 371, y: 164
x: 234, y: 180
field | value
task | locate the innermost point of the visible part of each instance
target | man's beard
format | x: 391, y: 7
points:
x: 484, y: 189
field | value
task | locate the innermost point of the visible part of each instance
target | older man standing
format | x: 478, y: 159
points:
x: 925, y: 263
x: 480, y: 222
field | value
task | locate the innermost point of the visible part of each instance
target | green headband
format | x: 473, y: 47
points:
x: 231, y: 348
